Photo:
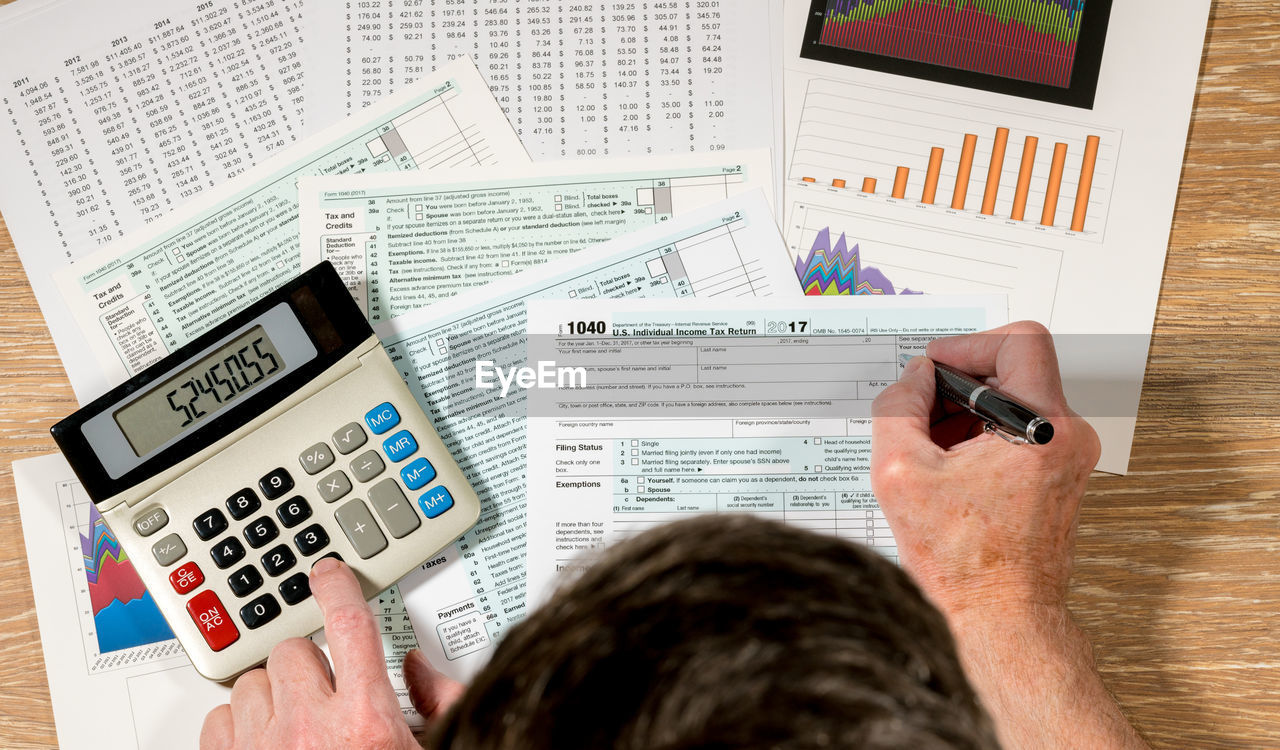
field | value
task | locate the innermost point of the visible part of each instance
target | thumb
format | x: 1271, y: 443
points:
x: 431, y: 692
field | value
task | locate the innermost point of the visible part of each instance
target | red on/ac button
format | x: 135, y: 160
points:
x: 213, y: 620
x: 186, y: 578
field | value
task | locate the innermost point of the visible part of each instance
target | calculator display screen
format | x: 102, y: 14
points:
x: 186, y: 400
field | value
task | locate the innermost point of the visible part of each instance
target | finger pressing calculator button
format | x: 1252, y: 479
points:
x: 400, y: 446
x: 295, y: 588
x: 349, y: 437
x: 260, y: 532
x: 150, y: 522
x: 418, y: 474
x: 169, y: 550
x: 243, y: 504
x: 213, y: 620
x: 316, y: 459
x: 335, y: 485
x: 186, y: 577
x: 210, y: 524
x: 294, y: 512
x: 367, y: 465
x: 278, y: 560
x: 435, y: 502
x: 226, y: 553
x: 394, y: 508
x: 260, y: 611
x: 245, y: 581
x: 275, y: 484
x: 311, y: 539
x: 361, y: 529
x: 382, y: 418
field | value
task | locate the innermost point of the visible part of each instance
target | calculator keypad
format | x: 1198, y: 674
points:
x: 275, y: 484
x: 311, y: 540
x: 260, y: 532
x: 316, y: 459
x: 169, y: 550
x: 349, y: 437
x: 226, y: 553
x: 366, y: 466
x: 278, y: 559
x: 333, y: 486
x: 260, y: 611
x: 150, y: 522
x: 243, y: 504
x: 388, y: 511
x: 210, y: 524
x: 245, y: 581
x: 293, y: 512
x: 213, y: 620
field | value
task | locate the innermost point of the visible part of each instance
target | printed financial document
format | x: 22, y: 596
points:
x: 1032, y: 149
x: 117, y: 676
x: 715, y: 407
x: 402, y: 241
x: 153, y: 291
x: 115, y: 116
x: 462, y: 606
x: 576, y: 79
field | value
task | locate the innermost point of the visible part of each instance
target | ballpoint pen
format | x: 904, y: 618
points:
x: 1005, y: 415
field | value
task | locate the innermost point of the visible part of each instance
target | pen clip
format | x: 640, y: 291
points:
x: 992, y: 429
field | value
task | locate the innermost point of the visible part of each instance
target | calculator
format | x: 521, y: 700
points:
x: 282, y: 435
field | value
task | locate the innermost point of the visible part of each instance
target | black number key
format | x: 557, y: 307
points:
x: 294, y: 512
x: 228, y: 552
x: 245, y: 581
x: 260, y: 532
x: 243, y: 503
x: 260, y: 611
x: 278, y: 560
x: 295, y: 588
x: 210, y: 524
x: 311, y: 539
x: 275, y: 484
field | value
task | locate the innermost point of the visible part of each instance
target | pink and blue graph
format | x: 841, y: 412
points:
x: 839, y: 270
x: 124, y: 614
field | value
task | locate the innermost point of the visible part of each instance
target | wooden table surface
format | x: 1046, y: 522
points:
x: 1176, y: 577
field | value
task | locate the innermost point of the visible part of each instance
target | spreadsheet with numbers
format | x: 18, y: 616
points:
x: 576, y: 79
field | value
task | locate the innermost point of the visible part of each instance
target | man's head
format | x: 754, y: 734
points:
x: 727, y: 632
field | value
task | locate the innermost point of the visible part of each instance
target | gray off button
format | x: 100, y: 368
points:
x: 361, y: 529
x: 394, y: 508
x: 150, y: 522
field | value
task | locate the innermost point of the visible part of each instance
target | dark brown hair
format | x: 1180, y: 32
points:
x: 726, y: 631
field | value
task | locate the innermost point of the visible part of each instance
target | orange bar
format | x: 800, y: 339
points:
x: 931, y: 177
x: 966, y: 166
x: 837, y: 183
x: 900, y: 183
x: 1055, y: 185
x: 868, y: 184
x: 1086, y: 182
x: 807, y: 179
x: 994, y: 171
x: 1024, y: 177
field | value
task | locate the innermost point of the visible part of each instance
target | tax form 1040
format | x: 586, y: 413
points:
x: 715, y: 407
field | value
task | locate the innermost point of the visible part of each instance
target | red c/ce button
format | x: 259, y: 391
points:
x: 213, y: 620
x: 186, y: 578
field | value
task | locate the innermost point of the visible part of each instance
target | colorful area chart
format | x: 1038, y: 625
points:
x: 839, y: 270
x: 124, y: 614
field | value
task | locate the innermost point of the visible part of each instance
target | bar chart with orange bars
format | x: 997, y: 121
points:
x: 1031, y: 171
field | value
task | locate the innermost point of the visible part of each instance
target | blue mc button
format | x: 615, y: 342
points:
x: 435, y: 502
x: 400, y: 446
x: 418, y: 474
x: 382, y: 418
